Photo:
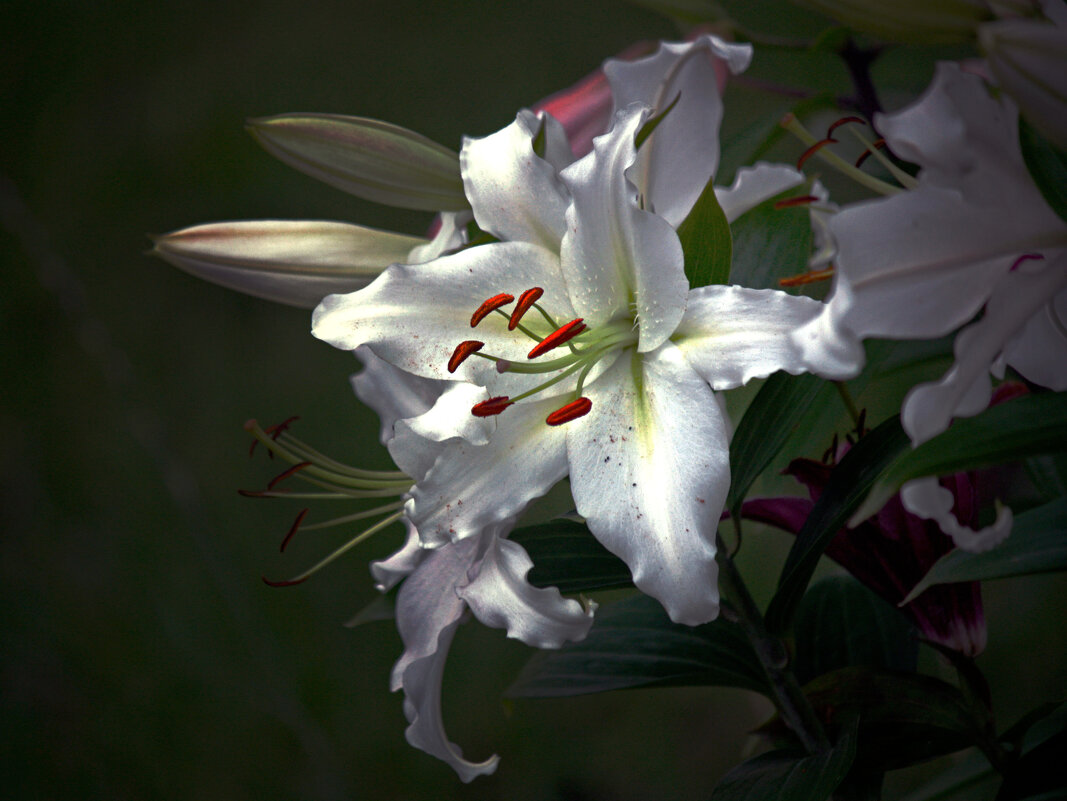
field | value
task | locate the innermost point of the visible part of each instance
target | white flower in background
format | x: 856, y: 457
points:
x: 974, y: 234
x: 590, y: 258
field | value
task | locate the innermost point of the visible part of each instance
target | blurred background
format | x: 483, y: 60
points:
x: 140, y: 654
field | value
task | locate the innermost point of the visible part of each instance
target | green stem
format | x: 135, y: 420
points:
x: 790, y: 700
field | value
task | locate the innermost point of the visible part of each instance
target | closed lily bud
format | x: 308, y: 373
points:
x: 907, y: 21
x: 368, y: 158
x: 291, y: 262
x: 1028, y: 60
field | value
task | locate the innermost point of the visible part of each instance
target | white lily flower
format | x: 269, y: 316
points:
x: 485, y: 573
x: 645, y: 442
x: 974, y: 233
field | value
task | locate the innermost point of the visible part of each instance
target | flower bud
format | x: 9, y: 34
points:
x: 368, y: 158
x: 297, y: 263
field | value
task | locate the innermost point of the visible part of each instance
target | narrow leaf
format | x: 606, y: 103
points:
x: 706, y: 242
x: 771, y: 243
x: 790, y: 775
x: 1032, y: 425
x: 1047, y: 165
x: 771, y: 418
x: 848, y: 485
x: 566, y: 555
x: 634, y: 644
x: 368, y: 158
x: 652, y: 123
x: 840, y: 623
x: 1038, y: 544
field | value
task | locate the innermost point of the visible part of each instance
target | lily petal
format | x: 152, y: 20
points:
x: 428, y: 611
x: 390, y: 571
x: 1039, y: 351
x: 649, y: 471
x: 501, y: 597
x: 392, y: 393
x: 413, y: 316
x: 926, y: 498
x: 682, y: 154
x: 614, y: 253
x: 470, y: 489
x: 368, y: 158
x: 293, y: 262
x: 755, y: 184
x: 516, y: 195
x: 731, y: 335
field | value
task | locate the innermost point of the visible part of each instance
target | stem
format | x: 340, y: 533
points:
x: 858, y: 62
x: 792, y: 704
x: 850, y: 405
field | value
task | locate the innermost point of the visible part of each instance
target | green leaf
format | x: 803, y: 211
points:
x: 566, y: 555
x: 949, y: 784
x: 368, y: 158
x: 634, y: 644
x: 1032, y: 425
x: 840, y: 623
x: 770, y: 243
x: 1047, y: 165
x: 905, y: 718
x: 789, y: 775
x: 706, y: 243
x: 769, y: 421
x: 1038, y: 544
x: 848, y: 485
x: 652, y: 123
x: 1038, y: 774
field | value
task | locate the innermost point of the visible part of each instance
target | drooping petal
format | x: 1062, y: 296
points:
x: 391, y: 392
x: 731, y: 335
x: 450, y: 234
x: 475, y: 487
x: 682, y: 154
x: 501, y: 597
x: 388, y: 572
x: 649, y: 471
x: 515, y: 194
x: 428, y: 611
x: 413, y: 316
x: 926, y: 498
x: 293, y: 262
x: 615, y: 254
x: 965, y: 389
x: 368, y: 158
x: 755, y: 184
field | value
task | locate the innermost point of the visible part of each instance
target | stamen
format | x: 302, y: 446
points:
x: 274, y: 431
x: 296, y: 468
x: 1025, y: 257
x: 561, y: 335
x: 789, y: 202
x: 290, y: 583
x: 844, y: 121
x: 809, y: 277
x: 491, y: 407
x: 815, y: 148
x: 794, y: 126
x: 292, y: 529
x: 878, y: 144
x: 526, y: 300
x: 462, y: 351
x: 572, y: 411
x: 491, y: 305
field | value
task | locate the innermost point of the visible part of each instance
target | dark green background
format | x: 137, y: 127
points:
x: 141, y: 655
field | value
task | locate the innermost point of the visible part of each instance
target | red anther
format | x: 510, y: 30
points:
x: 572, y: 411
x: 561, y: 335
x: 290, y: 583
x: 809, y: 277
x: 254, y: 493
x: 491, y: 305
x: 877, y: 144
x: 526, y: 300
x: 843, y: 121
x: 286, y: 473
x: 462, y: 351
x: 811, y: 151
x: 292, y: 529
x: 275, y: 431
x: 1025, y: 257
x: 493, y: 406
x: 789, y: 202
